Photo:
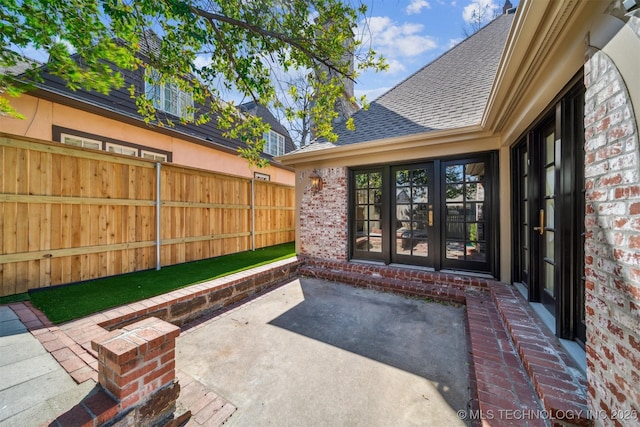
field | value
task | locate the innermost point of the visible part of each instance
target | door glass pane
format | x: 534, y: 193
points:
x: 402, y: 178
x: 550, y: 212
x: 549, y: 244
x: 454, y: 192
x: 368, y: 227
x: 476, y: 252
x: 421, y: 213
x: 362, y: 197
x: 548, y: 278
x: 465, y: 235
x: 454, y: 173
x: 420, y: 195
x: 550, y: 179
x: 375, y: 244
x: 550, y: 147
x: 420, y: 247
x: 412, y: 212
x: 403, y: 212
x: 403, y: 195
x: 455, y: 250
x: 474, y: 172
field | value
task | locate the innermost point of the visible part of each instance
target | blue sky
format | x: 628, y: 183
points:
x: 412, y: 33
x: 408, y: 33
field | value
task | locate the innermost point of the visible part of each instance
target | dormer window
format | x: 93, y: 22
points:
x: 274, y: 143
x: 168, y: 96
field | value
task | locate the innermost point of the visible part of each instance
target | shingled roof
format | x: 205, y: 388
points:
x: 450, y: 92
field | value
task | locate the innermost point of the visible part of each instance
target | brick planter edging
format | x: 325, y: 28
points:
x: 512, y: 378
x: 71, y: 343
x: 427, y: 284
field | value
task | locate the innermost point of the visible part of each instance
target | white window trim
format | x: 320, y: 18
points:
x: 274, y: 148
x: 64, y: 136
x: 179, y: 102
x: 134, y: 151
x: 156, y: 156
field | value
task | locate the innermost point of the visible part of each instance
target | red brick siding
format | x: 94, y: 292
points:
x: 323, y: 215
x: 612, y: 247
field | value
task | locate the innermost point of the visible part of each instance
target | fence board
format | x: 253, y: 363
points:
x: 71, y: 214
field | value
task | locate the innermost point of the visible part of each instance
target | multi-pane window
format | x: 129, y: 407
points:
x: 78, y: 141
x: 153, y: 156
x: 167, y: 96
x: 121, y: 149
x: 127, y: 150
x: 274, y: 143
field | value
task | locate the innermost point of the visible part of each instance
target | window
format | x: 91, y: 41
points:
x: 121, y: 149
x: 274, y: 143
x: 98, y: 142
x: 167, y: 96
x: 153, y: 156
x: 261, y: 176
x: 78, y: 141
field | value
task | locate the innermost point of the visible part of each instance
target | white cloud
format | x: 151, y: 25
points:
x: 395, y: 66
x: 482, y: 10
x: 416, y: 6
x: 395, y: 41
x: 453, y: 42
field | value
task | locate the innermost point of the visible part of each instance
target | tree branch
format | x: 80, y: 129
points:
x: 212, y: 17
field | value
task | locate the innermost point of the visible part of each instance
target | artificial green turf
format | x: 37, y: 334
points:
x: 64, y: 303
x: 14, y: 298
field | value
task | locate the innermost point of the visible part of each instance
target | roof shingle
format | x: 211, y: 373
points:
x: 450, y: 92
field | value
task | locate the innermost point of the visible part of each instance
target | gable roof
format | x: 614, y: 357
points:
x: 267, y: 116
x: 119, y: 105
x: 450, y: 92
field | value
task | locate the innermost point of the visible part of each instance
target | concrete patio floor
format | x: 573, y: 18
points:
x: 332, y: 354
x: 314, y: 352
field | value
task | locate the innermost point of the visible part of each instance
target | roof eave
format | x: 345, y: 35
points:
x: 380, y: 146
x: 532, y: 41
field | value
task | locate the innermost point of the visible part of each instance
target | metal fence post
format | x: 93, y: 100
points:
x: 158, y: 200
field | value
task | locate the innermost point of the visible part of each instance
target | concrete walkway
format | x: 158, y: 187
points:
x: 318, y: 353
x: 34, y: 388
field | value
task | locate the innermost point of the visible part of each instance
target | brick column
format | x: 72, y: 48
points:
x: 323, y: 215
x: 612, y: 245
x: 137, y: 366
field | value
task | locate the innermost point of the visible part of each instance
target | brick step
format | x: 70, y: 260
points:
x: 559, y: 385
x: 402, y: 286
x: 504, y: 393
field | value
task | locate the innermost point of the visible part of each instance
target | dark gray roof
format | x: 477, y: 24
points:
x: 267, y: 116
x: 450, y: 92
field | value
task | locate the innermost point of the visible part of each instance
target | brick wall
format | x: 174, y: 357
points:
x: 323, y: 215
x: 612, y: 249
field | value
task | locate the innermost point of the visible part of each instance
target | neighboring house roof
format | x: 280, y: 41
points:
x: 118, y: 104
x: 21, y: 67
x: 267, y: 117
x: 450, y: 92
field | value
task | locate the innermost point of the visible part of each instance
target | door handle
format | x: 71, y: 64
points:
x: 540, y: 229
x: 430, y: 216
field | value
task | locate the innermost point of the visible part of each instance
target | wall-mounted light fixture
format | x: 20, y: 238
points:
x: 316, y: 181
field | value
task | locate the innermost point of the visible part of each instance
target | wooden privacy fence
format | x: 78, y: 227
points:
x: 70, y: 214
